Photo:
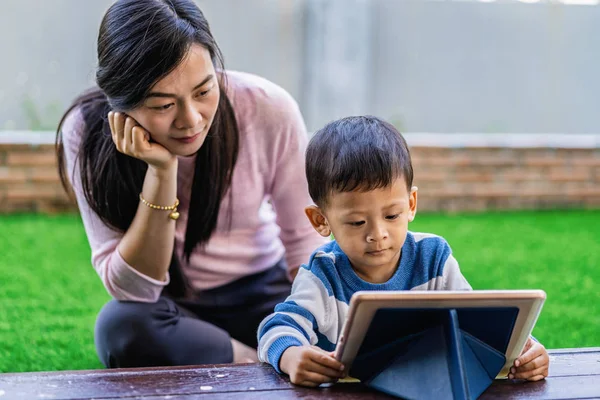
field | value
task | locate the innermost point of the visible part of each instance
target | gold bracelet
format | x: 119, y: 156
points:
x: 174, y: 214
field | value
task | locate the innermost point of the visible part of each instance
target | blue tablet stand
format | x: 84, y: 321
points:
x: 434, y: 353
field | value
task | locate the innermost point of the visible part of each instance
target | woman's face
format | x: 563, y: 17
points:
x: 180, y: 108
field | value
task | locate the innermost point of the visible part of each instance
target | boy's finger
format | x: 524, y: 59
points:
x: 326, y: 360
x: 537, y: 378
x: 530, y: 374
x: 324, y: 370
x: 537, y: 362
x: 532, y: 353
x: 314, y: 379
x: 527, y: 346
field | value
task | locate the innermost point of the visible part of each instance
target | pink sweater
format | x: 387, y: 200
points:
x: 270, y: 166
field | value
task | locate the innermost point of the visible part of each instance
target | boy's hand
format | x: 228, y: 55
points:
x: 532, y: 364
x: 310, y: 366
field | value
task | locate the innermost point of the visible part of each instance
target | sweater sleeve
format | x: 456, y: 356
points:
x: 122, y: 281
x: 288, y: 184
x: 299, y: 321
x: 453, y: 278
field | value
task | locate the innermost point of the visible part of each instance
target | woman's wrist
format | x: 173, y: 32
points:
x: 166, y: 171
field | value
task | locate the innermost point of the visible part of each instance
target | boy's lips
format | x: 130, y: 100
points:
x: 377, y: 252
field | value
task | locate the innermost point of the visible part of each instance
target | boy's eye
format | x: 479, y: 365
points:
x: 392, y: 217
x: 356, y: 223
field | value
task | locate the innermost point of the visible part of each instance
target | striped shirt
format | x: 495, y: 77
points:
x: 315, y: 312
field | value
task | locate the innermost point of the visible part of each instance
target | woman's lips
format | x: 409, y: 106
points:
x: 188, y: 139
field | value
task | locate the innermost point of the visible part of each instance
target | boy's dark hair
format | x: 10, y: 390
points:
x: 356, y: 153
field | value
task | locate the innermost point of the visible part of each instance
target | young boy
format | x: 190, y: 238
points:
x: 360, y: 178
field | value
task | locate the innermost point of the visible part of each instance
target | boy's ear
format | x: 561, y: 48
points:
x: 412, y: 204
x: 317, y: 220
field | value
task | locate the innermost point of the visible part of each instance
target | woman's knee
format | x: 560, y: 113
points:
x: 127, y: 332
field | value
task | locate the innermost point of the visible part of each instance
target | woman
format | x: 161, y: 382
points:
x: 190, y: 183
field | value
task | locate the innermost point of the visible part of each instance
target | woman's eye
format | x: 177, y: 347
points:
x: 204, y: 93
x: 162, y: 108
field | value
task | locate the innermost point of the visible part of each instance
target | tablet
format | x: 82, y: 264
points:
x: 503, y: 319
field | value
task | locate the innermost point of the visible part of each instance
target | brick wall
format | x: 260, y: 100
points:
x: 29, y: 179
x: 506, y: 178
x: 450, y: 176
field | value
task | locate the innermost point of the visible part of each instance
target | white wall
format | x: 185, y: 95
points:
x: 438, y: 66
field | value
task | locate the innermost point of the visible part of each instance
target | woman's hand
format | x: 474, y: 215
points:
x: 133, y: 140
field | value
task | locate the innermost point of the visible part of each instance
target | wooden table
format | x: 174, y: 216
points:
x: 574, y: 374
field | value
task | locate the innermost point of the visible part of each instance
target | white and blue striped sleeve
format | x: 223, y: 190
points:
x: 297, y: 321
x: 453, y: 278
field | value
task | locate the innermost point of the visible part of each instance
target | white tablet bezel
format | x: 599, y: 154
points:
x: 364, y: 304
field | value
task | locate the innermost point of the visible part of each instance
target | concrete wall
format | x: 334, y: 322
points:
x: 437, y: 66
x: 487, y: 67
x: 47, y: 53
x: 48, y: 56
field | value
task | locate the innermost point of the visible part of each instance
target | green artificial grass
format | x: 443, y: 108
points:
x: 50, y: 294
x: 557, y: 251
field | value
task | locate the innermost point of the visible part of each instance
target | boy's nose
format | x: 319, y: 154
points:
x: 377, y: 235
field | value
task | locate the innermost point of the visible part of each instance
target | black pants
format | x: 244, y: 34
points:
x: 168, y: 332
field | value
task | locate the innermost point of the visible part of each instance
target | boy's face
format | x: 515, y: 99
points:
x: 370, y: 227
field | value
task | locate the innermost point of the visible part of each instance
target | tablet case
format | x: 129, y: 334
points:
x: 434, y: 353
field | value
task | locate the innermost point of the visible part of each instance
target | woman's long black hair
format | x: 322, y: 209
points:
x: 140, y: 42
